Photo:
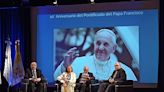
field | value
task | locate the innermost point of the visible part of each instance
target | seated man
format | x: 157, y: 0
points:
x: 118, y: 75
x: 35, y: 78
x: 84, y: 80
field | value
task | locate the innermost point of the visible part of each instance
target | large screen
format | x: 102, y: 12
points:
x: 128, y: 31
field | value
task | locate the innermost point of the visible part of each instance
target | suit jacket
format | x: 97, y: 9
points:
x: 28, y: 74
x: 90, y: 75
x: 120, y: 76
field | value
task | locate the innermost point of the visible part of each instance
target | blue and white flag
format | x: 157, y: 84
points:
x: 8, y: 63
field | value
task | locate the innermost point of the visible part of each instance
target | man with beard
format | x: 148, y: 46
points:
x: 118, y: 75
x: 101, y: 63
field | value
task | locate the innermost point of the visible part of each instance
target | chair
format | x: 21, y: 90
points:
x: 121, y: 86
x: 25, y: 84
x: 92, y: 85
x: 53, y: 86
x: 57, y: 87
x: 57, y: 84
x: 124, y: 86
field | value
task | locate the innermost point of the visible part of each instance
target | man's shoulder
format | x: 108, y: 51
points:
x: 129, y: 72
x: 122, y: 70
x: 124, y: 66
x: 38, y: 70
x: 90, y: 73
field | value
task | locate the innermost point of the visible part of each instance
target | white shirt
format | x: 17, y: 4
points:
x: 34, y: 73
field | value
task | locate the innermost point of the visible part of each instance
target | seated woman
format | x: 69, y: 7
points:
x: 68, y: 80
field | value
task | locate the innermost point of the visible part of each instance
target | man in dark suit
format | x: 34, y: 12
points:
x: 35, y: 78
x: 85, y: 79
x: 118, y: 75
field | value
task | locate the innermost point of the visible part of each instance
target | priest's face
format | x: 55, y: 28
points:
x: 103, y: 46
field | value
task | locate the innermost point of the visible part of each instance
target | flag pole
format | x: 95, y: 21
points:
x: 8, y: 89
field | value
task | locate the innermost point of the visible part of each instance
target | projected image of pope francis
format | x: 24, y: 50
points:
x: 101, y: 63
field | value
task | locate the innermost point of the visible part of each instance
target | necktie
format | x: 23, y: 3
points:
x: 34, y: 74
